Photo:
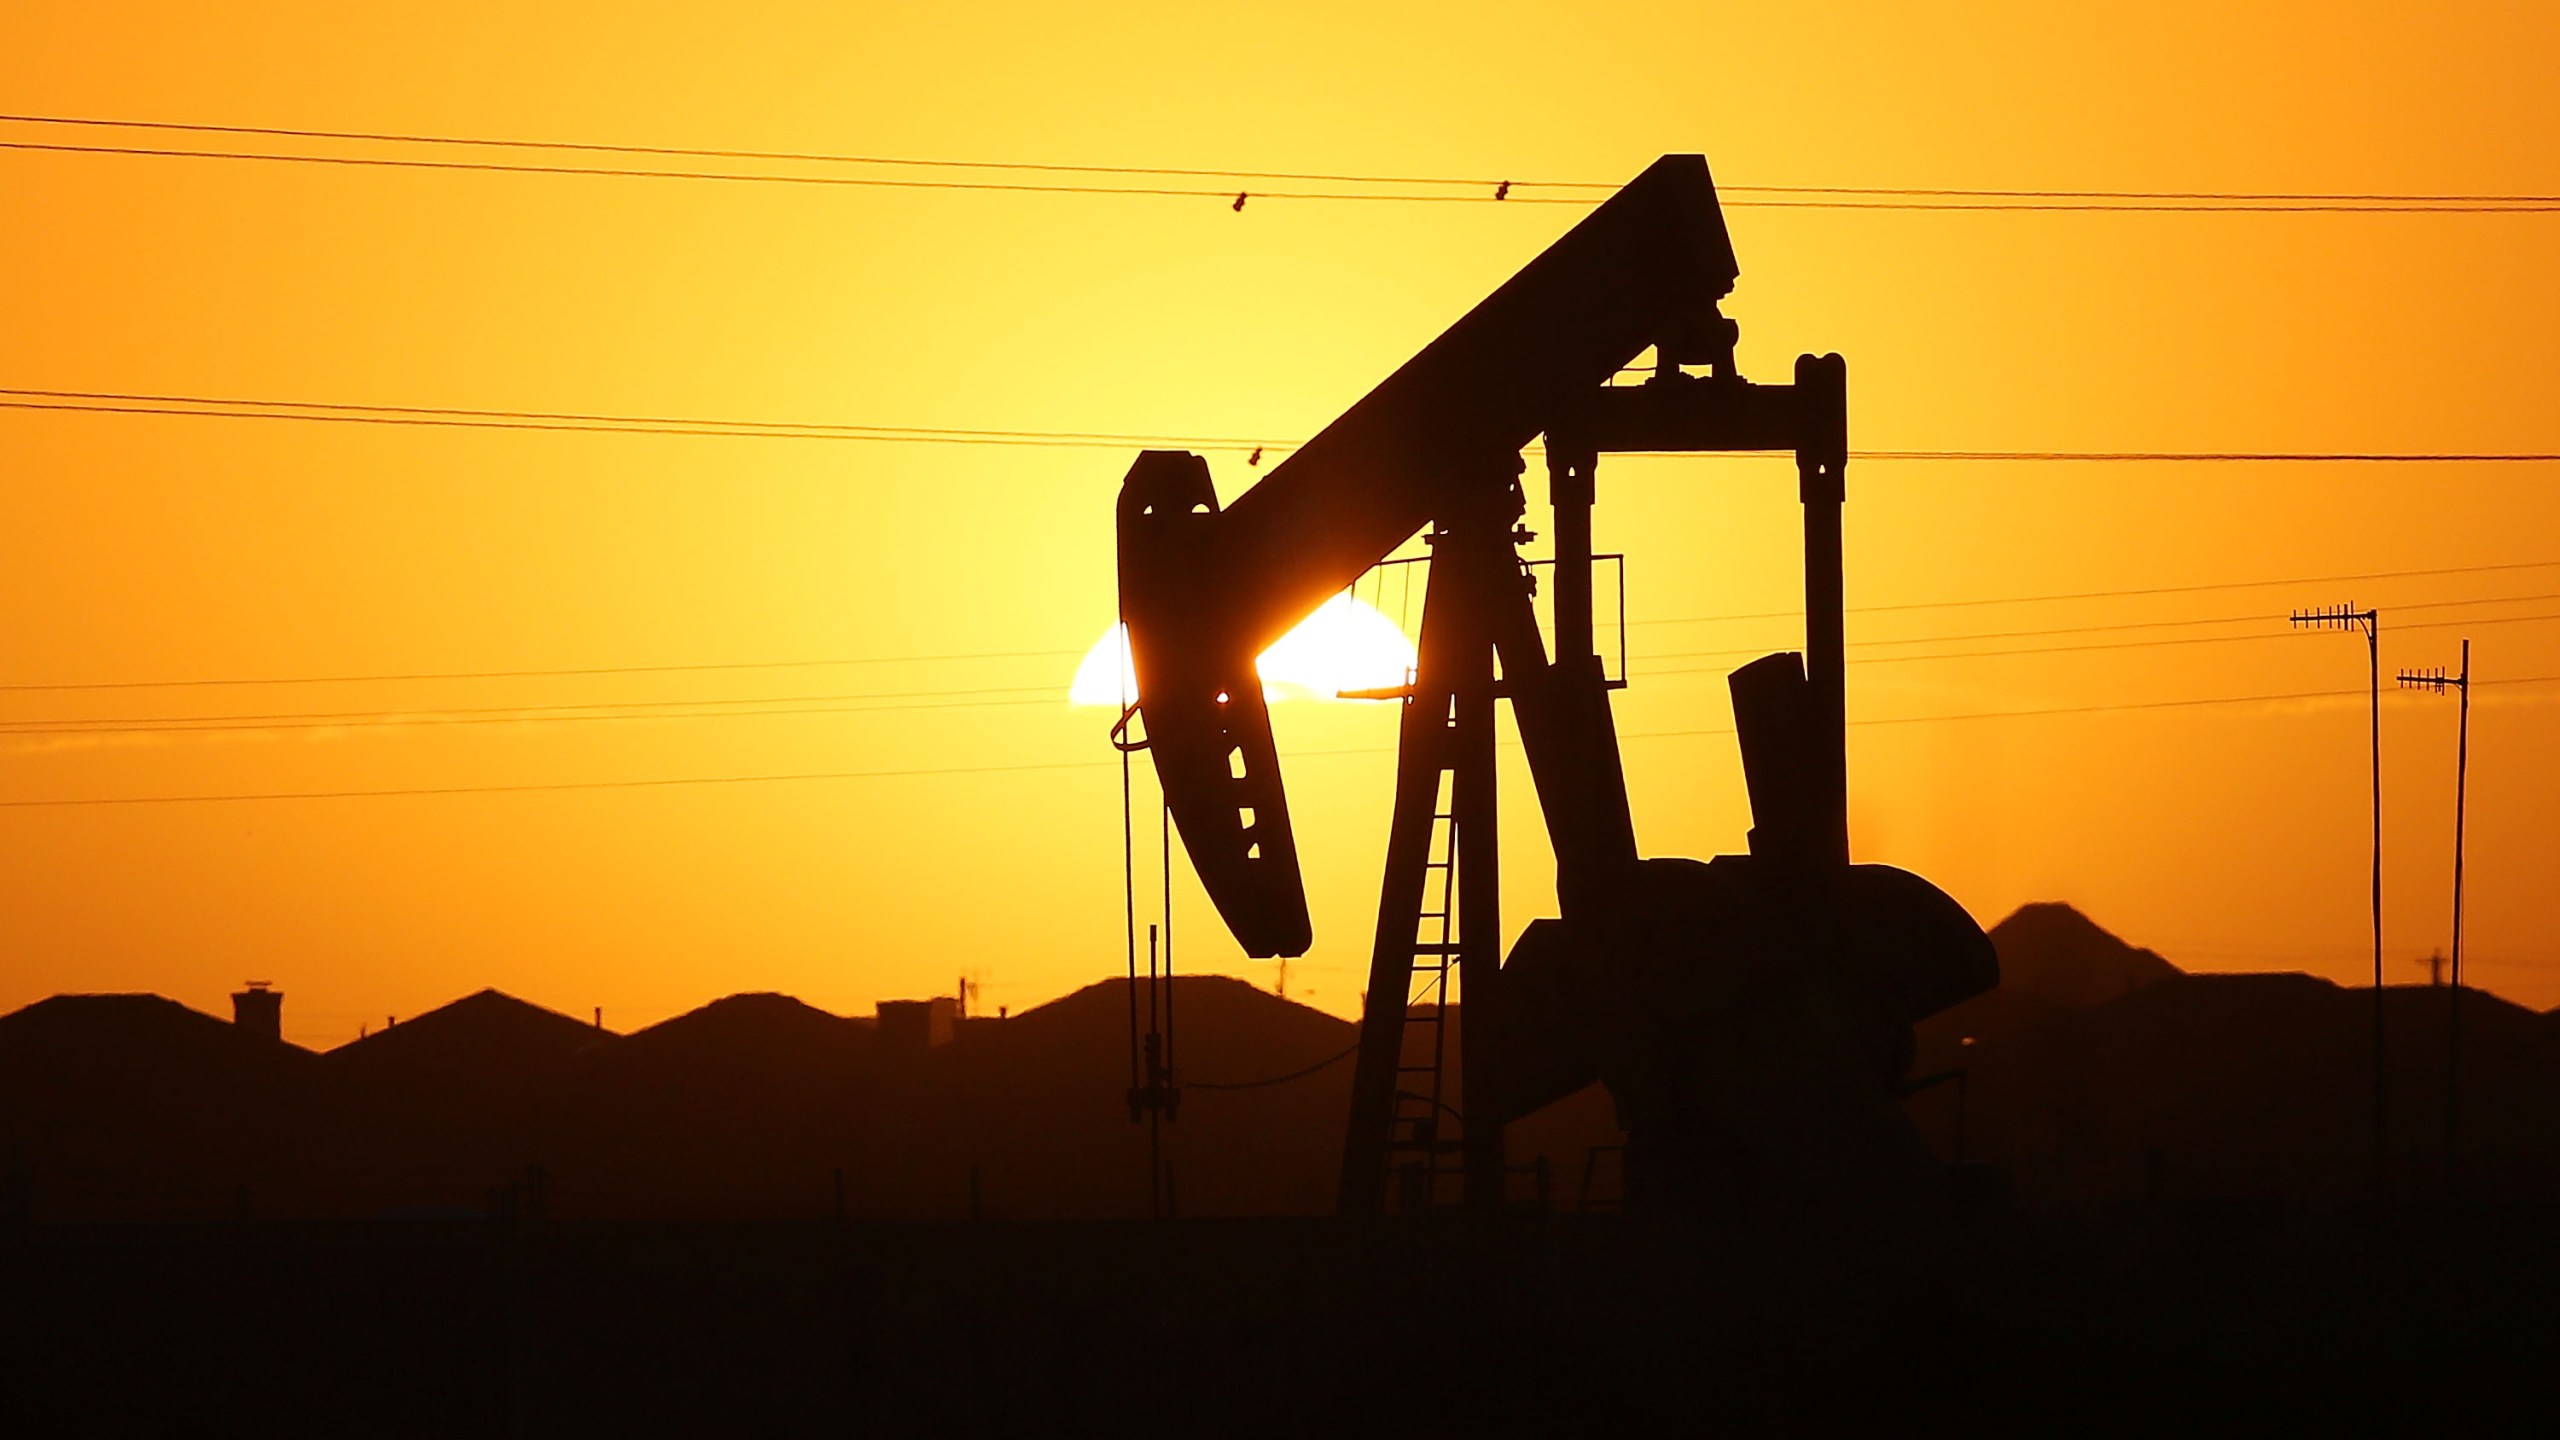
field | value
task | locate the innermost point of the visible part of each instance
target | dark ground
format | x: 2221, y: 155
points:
x: 745, y: 1222
x: 2187, y: 1317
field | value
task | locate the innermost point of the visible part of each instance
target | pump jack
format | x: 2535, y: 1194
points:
x: 1751, y: 1016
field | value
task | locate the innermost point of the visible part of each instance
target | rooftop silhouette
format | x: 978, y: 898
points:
x: 2096, y: 1070
x: 483, y: 1038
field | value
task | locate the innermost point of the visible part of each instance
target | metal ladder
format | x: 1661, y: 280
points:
x: 1421, y: 1140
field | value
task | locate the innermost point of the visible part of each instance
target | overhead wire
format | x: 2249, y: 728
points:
x: 2225, y: 457
x: 1301, y: 1073
x: 1002, y: 697
x: 116, y: 403
x: 1040, y: 693
x: 688, y: 424
x: 546, y: 673
x: 509, y: 714
x: 215, y: 724
x: 2464, y: 624
x: 2106, y: 709
x: 1236, y: 182
x: 990, y: 697
x: 1965, y: 637
x: 105, y: 403
x: 680, y: 152
x: 541, y: 787
x: 689, y: 667
x: 664, y: 782
x: 868, y: 182
x: 864, y: 701
x: 2137, y: 592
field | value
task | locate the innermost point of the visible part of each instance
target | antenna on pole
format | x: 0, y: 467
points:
x: 2369, y: 620
x: 2460, y: 684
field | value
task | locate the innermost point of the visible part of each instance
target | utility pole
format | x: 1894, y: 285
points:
x: 2439, y: 682
x: 2348, y: 617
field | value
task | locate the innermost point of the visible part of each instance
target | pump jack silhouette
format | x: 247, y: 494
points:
x: 1751, y: 1015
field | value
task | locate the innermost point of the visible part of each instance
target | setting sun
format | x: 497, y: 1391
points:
x: 1346, y: 646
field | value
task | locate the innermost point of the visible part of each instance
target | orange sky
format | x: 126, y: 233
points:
x: 145, y: 548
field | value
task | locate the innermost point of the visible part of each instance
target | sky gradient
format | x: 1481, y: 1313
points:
x: 950, y: 589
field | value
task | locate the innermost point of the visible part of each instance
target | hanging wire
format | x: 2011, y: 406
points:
x: 1299, y: 1074
x: 1128, y: 856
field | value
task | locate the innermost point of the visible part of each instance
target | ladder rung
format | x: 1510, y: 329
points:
x: 1434, y: 947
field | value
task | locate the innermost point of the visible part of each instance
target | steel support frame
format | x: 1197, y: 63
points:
x: 1476, y: 608
x: 1447, y: 728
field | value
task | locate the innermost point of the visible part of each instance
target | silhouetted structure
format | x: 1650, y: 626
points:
x: 915, y: 1026
x: 1751, y: 1016
x: 259, y: 1010
x: 2369, y: 620
x: 2090, y: 1059
x: 137, y: 1107
x: 2459, y: 684
x: 2167, y: 1127
x: 1155, y: 1090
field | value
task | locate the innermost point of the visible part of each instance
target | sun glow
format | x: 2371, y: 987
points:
x: 1346, y: 646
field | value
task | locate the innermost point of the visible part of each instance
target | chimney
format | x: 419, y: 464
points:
x: 916, y: 1025
x: 259, y: 1010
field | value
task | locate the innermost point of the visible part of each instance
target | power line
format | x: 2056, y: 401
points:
x: 2126, y: 707
x: 1468, y: 189
x: 673, y: 781
x: 653, y: 783
x: 1298, y: 1074
x: 869, y: 704
x: 551, y: 672
x: 874, y: 702
x: 55, y: 687
x: 2225, y: 457
x: 676, y: 152
x: 874, y: 182
x: 331, y: 719
x: 101, y: 403
x: 2147, y: 457
x: 216, y: 724
x: 112, y: 403
x: 2124, y: 594
x: 788, y: 428
x: 2465, y: 624
x: 539, y: 673
x: 2049, y: 632
x: 1964, y: 638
